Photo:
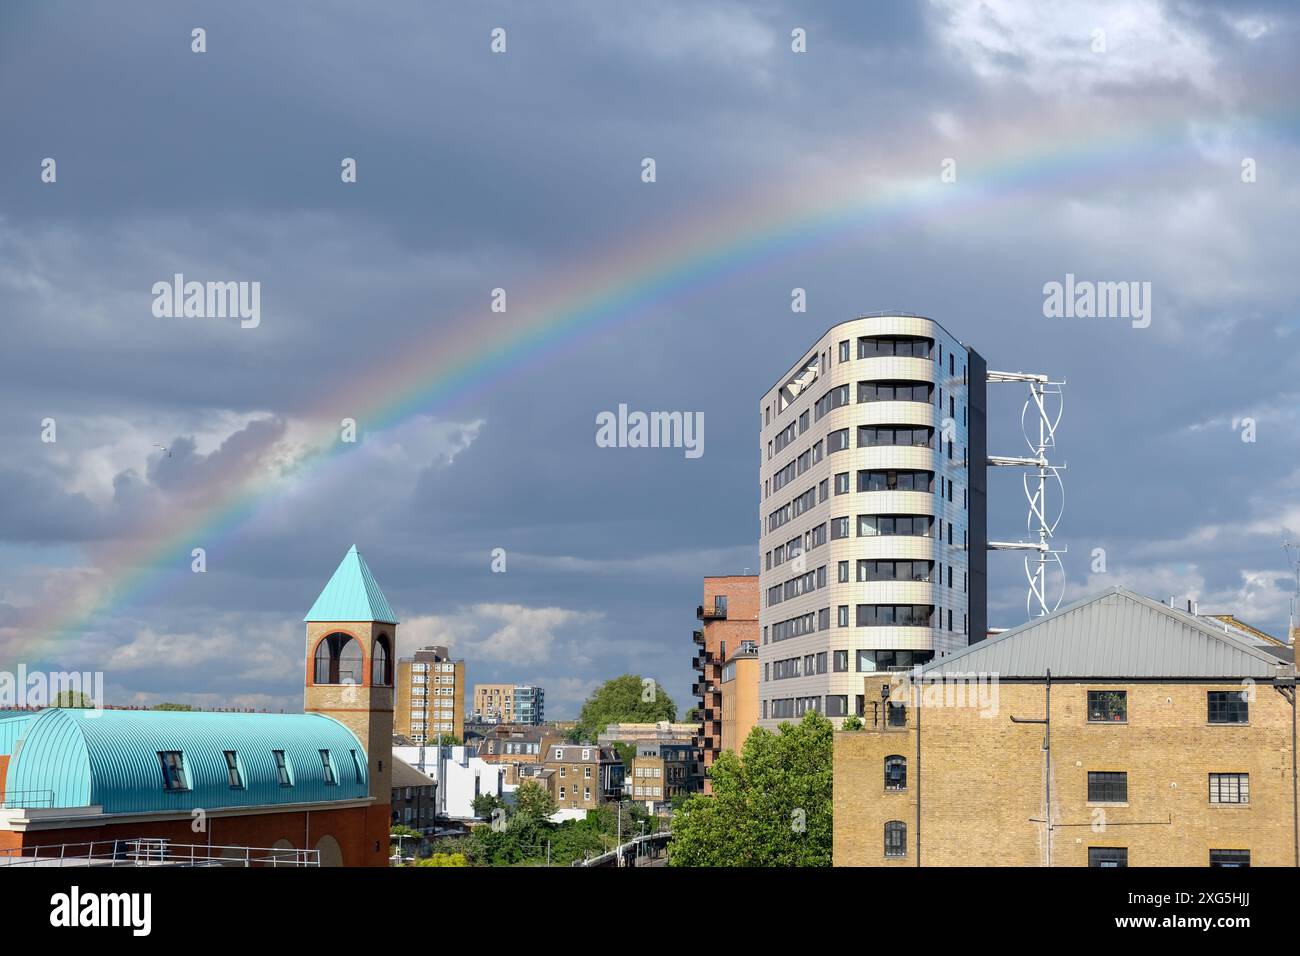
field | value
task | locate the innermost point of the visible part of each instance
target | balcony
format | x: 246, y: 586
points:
x: 698, y: 637
x: 700, y: 688
x: 714, y: 613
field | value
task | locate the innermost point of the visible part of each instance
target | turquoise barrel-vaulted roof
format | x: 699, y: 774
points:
x: 109, y: 758
x: 352, y: 595
x: 12, y: 724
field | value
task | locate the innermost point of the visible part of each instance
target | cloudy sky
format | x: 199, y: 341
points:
x: 1110, y: 141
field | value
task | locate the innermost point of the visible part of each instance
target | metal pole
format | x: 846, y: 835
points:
x: 1047, y: 746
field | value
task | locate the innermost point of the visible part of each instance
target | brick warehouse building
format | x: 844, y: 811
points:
x: 1170, y: 743
x: 319, y: 781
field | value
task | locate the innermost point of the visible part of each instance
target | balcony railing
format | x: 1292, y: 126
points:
x: 714, y: 613
x: 26, y: 799
x: 154, y: 852
x: 697, y: 637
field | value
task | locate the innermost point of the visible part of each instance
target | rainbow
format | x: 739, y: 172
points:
x: 482, y: 347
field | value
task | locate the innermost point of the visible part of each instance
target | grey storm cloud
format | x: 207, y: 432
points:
x: 478, y: 171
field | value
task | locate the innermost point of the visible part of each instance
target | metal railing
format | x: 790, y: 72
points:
x: 26, y: 799
x: 155, y: 852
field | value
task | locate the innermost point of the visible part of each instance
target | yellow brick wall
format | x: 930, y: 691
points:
x: 982, y: 781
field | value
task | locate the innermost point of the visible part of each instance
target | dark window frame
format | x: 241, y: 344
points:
x: 172, y: 764
x: 1226, y: 707
x: 234, y: 776
x: 1101, y: 706
x: 1108, y: 857
x: 895, y: 773
x: 895, y: 840
x: 1107, y: 786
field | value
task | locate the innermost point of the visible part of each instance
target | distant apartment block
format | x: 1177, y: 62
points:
x: 1170, y: 741
x: 872, y: 532
x: 508, y: 704
x: 660, y: 772
x: 430, y: 696
x: 739, y: 683
x: 530, y: 705
x: 729, y: 619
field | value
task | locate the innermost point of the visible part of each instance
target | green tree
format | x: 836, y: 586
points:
x: 72, y: 698
x: 626, y: 752
x: 484, y: 804
x: 171, y: 706
x: 851, y: 722
x: 533, y: 801
x: 624, y: 699
x: 771, y: 806
x: 443, y: 859
x: 693, y: 716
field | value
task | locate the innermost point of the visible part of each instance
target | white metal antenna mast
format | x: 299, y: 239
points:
x: 1293, y: 559
x: 1048, y: 402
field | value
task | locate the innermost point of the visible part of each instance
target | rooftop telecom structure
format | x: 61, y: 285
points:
x: 1043, y: 570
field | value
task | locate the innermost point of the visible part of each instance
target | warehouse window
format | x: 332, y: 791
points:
x: 1230, y: 858
x: 895, y: 839
x: 895, y: 772
x: 1109, y: 857
x: 1107, y: 787
x: 1230, y: 788
x: 356, y: 765
x: 173, y: 770
x: 1228, y: 707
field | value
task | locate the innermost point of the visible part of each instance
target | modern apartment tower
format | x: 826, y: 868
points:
x: 872, y: 521
x: 509, y: 704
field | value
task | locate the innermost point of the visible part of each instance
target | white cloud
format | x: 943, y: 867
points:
x: 1252, y: 28
x: 505, y: 633
x: 1050, y: 45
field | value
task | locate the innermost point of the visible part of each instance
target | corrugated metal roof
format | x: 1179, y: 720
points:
x: 109, y: 758
x: 1115, y: 634
x: 352, y: 595
x: 12, y: 725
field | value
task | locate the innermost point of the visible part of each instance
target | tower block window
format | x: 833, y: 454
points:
x: 339, y: 661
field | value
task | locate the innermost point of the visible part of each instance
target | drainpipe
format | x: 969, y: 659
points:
x: 1286, y: 687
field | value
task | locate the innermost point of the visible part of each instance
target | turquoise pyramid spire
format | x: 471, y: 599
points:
x: 352, y: 595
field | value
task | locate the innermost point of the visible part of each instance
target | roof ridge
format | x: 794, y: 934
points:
x: 1172, y: 614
